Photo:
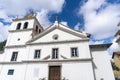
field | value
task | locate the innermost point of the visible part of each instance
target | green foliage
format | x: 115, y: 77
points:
x: 2, y: 44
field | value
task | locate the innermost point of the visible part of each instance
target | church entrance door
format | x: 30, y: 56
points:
x: 54, y: 73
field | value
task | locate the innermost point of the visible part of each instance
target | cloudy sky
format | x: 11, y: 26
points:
x: 97, y: 17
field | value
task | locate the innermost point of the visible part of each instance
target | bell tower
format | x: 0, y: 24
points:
x: 117, y: 35
x: 22, y: 30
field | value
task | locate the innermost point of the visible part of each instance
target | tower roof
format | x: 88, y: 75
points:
x: 29, y: 16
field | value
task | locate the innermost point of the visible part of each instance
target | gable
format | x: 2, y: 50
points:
x: 63, y: 34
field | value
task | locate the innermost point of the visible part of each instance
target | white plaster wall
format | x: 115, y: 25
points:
x: 22, y: 54
x: 24, y: 36
x: 42, y: 72
x: 2, y: 57
x: 64, y: 49
x: 19, y: 72
x: 77, y: 71
x: 27, y: 53
x: 69, y: 70
x: 103, y: 68
x: 63, y: 36
x: 1, y: 68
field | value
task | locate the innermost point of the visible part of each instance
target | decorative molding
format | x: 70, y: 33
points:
x: 24, y: 19
x: 57, y: 42
x: 63, y: 57
x: 41, y: 43
x: 100, y: 46
x: 73, y: 32
x: 12, y: 62
x: 118, y: 32
x: 20, y: 30
x: 14, y: 46
x: 46, y: 58
x: 117, y: 38
x: 48, y: 61
x: 66, y: 29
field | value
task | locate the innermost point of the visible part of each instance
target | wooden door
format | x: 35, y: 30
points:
x: 54, y: 73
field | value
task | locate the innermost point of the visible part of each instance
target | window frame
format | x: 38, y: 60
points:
x: 36, y: 28
x: 75, y: 54
x: 10, y: 72
x: 56, y: 55
x: 18, y: 26
x: 39, y: 30
x: 14, y: 56
x: 25, y: 25
x: 38, y: 56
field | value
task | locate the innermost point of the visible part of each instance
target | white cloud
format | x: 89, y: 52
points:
x: 64, y: 23
x: 3, y: 32
x: 43, y: 18
x: 96, y: 42
x: 77, y: 26
x: 11, y: 8
x: 101, y: 18
x: 19, y: 7
x: 113, y: 48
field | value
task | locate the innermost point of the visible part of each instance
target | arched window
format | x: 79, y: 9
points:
x: 36, y: 29
x: 39, y: 31
x: 18, y: 26
x: 25, y: 25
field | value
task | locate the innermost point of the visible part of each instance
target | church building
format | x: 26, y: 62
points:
x: 55, y: 53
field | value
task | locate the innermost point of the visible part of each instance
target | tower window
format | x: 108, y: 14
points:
x: 55, y: 53
x: 37, y: 54
x: 18, y: 26
x: 39, y: 31
x: 74, y: 52
x: 14, y: 56
x: 10, y: 71
x: 36, y: 29
x: 25, y: 25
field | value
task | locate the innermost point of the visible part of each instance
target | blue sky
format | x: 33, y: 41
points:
x: 97, y: 17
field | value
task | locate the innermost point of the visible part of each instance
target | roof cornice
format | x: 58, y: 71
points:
x: 30, y: 29
x: 92, y: 46
x: 15, y: 46
x: 58, y: 42
x: 53, y: 27
x: 48, y: 61
x: 24, y: 19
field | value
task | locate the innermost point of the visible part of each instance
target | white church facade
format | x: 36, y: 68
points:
x: 56, y: 53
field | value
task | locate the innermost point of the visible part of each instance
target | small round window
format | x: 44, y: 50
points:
x: 18, y: 39
x: 55, y: 37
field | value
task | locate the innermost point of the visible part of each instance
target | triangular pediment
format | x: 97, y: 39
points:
x: 59, y: 31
